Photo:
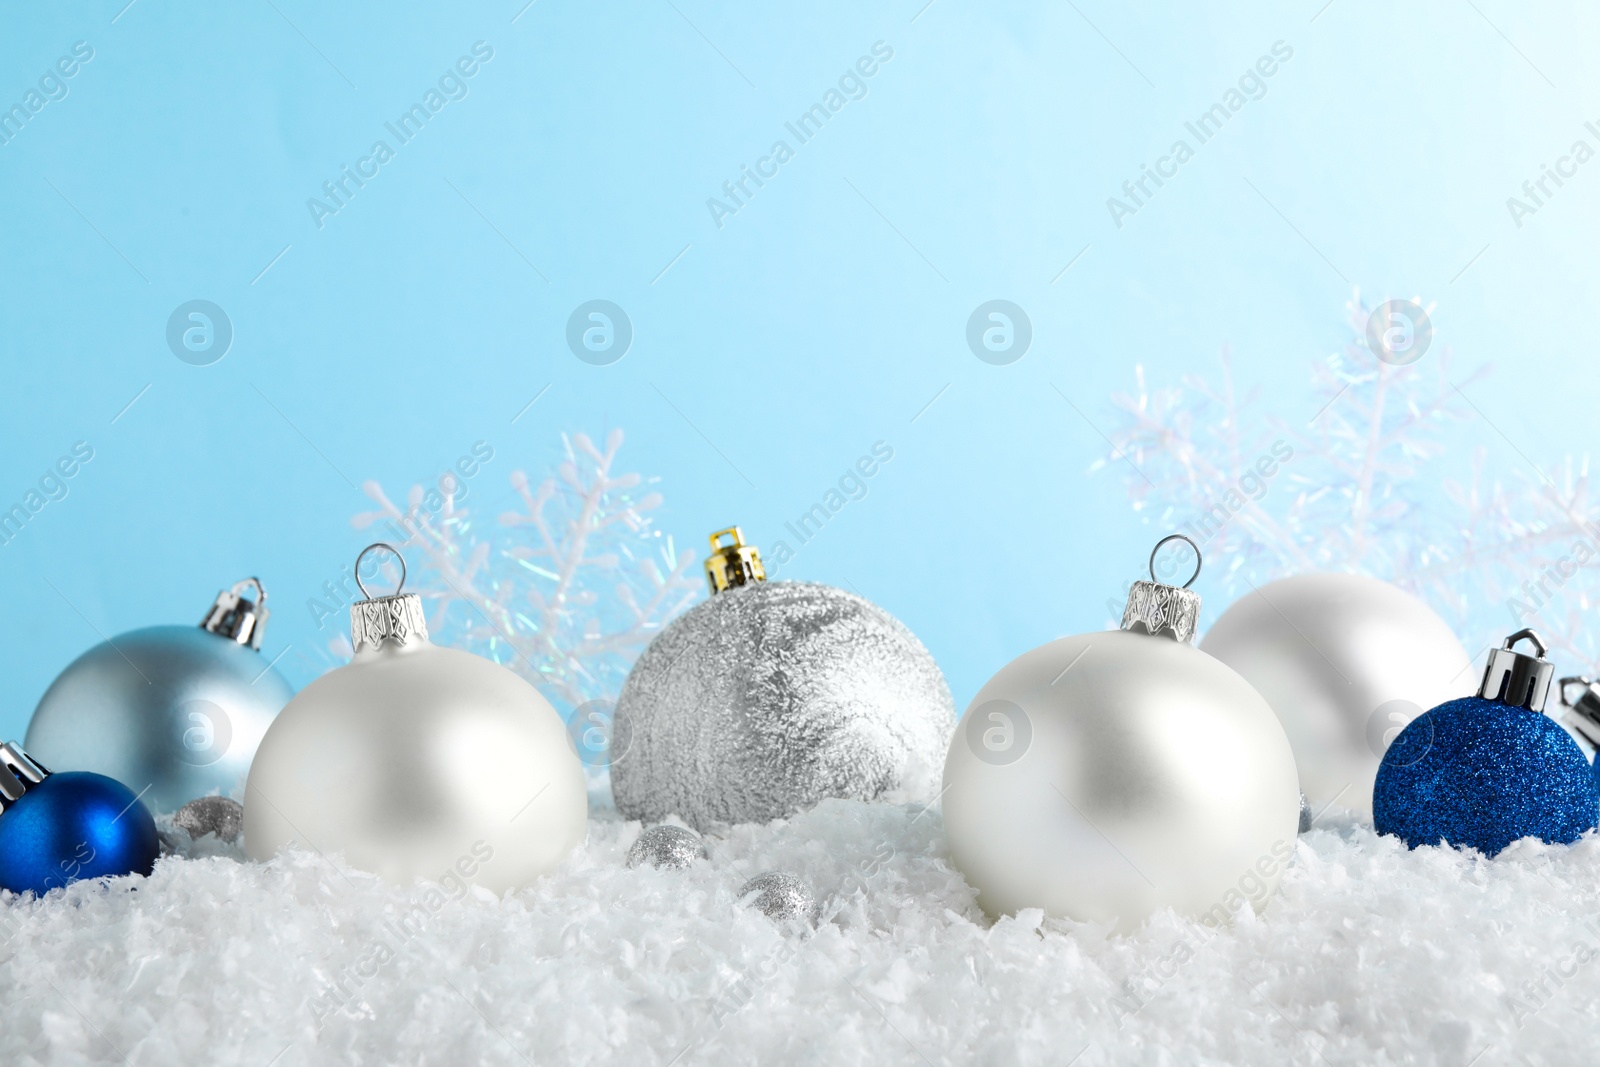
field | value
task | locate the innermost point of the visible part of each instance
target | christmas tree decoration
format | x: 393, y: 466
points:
x: 1346, y: 661
x: 1369, y: 481
x: 771, y: 696
x: 566, y: 588
x: 779, y: 896
x: 1483, y: 771
x: 176, y: 712
x: 415, y: 761
x: 56, y: 829
x: 1584, y: 717
x: 222, y: 816
x: 1104, y: 776
x: 667, y: 846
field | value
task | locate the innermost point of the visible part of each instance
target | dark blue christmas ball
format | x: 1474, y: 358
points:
x: 74, y: 825
x: 1480, y: 774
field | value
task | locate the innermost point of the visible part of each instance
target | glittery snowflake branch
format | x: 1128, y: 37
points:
x: 1187, y: 451
x: 1376, y: 426
x: 1534, y: 551
x: 1367, y: 488
x: 566, y: 591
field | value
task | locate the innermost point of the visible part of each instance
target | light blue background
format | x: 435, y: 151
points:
x: 822, y: 317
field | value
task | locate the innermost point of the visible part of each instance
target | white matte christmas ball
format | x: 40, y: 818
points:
x: 1346, y: 661
x: 1104, y: 776
x: 417, y: 761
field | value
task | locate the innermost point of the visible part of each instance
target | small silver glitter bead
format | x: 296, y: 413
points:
x: 779, y: 896
x: 1305, y: 813
x: 211, y: 815
x: 672, y: 847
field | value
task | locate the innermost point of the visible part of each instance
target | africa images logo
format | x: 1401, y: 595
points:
x: 599, y: 332
x: 51, y: 486
x: 199, y: 332
x: 52, y: 87
x: 998, y: 732
x: 1252, y: 85
x: 1399, y: 332
x: 591, y: 731
x: 852, y: 85
x: 204, y: 732
x: 999, y: 332
x: 451, y: 86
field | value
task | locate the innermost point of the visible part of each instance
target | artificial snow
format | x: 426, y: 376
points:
x: 1369, y: 955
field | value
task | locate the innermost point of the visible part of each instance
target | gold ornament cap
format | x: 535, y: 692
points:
x: 237, y: 617
x: 396, y: 619
x: 1516, y: 678
x: 1164, y: 610
x: 734, y: 563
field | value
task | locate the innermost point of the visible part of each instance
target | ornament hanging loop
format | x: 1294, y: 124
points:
x: 1198, y: 558
x: 1531, y: 637
x: 393, y: 552
x: 1516, y: 678
x: 395, y: 620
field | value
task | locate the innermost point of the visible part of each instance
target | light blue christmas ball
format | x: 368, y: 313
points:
x: 173, y: 712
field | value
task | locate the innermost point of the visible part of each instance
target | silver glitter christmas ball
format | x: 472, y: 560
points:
x: 672, y: 847
x: 222, y: 816
x: 172, y: 712
x: 771, y: 696
x: 779, y: 896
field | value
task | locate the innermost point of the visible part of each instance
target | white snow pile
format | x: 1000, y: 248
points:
x: 1369, y: 955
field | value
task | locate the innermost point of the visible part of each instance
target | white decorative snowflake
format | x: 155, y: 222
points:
x: 566, y: 590
x: 1363, y: 482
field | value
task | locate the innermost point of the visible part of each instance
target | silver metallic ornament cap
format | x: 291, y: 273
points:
x: 1518, y: 679
x: 396, y: 619
x: 237, y: 617
x: 1585, y: 713
x: 1164, y: 610
x: 18, y: 773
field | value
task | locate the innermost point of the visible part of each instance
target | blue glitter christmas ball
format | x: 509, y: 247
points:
x: 1480, y: 774
x: 74, y: 825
